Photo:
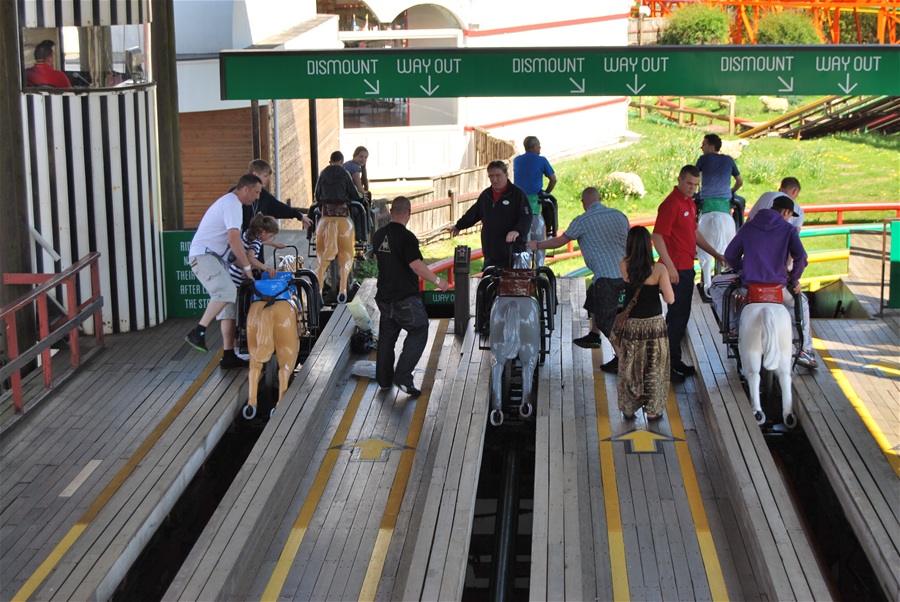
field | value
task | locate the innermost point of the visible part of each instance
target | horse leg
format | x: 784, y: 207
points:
x: 784, y: 380
x: 346, y: 263
x: 497, y: 366
x: 750, y: 348
x: 528, y: 356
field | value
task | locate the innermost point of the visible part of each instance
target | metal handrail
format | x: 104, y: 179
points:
x: 446, y: 265
x: 75, y: 315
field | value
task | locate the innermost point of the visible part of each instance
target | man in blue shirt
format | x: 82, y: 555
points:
x: 529, y: 170
x: 716, y: 171
x: 601, y: 233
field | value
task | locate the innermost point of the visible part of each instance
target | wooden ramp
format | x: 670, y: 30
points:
x: 372, y: 495
x: 854, y: 411
x: 89, y: 474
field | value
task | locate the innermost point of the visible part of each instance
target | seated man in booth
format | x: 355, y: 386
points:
x: 43, y: 73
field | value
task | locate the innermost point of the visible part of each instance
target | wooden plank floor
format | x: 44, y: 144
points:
x: 781, y: 555
x: 60, y: 459
x: 852, y: 412
x: 381, y: 495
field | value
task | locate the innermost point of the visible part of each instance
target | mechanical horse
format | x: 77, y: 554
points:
x: 341, y: 233
x: 282, y: 317
x: 522, y: 303
x: 765, y: 341
x: 718, y: 228
x: 335, y: 239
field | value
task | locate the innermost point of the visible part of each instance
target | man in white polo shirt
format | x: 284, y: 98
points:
x: 790, y: 186
x: 218, y: 233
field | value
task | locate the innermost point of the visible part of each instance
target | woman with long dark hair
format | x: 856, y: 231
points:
x: 643, y: 380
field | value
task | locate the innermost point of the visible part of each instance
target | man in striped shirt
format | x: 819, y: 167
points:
x: 601, y: 233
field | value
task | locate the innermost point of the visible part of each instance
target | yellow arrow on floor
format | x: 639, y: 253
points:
x: 371, y: 449
x: 642, y: 442
x: 886, y: 367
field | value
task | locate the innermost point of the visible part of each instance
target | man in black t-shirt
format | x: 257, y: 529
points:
x: 400, y: 266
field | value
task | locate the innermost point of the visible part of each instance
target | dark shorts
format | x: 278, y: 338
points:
x: 602, y: 301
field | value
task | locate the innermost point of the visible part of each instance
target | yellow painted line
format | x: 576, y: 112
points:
x: 100, y: 502
x: 301, y: 524
x: 886, y: 367
x: 695, y: 501
x: 845, y: 385
x: 401, y: 477
x: 619, y: 569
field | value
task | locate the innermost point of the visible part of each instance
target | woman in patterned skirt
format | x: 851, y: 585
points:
x: 644, y: 354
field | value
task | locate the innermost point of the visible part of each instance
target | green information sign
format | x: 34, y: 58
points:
x: 601, y: 71
x: 185, y: 296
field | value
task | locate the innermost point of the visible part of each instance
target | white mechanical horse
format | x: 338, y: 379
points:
x: 717, y: 227
x: 515, y: 332
x: 766, y: 341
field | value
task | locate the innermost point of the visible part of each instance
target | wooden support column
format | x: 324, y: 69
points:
x: 165, y: 73
x: 15, y: 240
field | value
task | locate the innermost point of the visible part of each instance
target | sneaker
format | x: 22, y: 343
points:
x: 242, y: 356
x: 591, y: 340
x: 410, y: 390
x: 684, y: 369
x: 612, y: 366
x: 676, y: 377
x: 197, y: 339
x: 230, y: 360
x: 806, y: 360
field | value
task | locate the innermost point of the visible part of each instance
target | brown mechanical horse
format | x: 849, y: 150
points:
x: 335, y: 239
x: 272, y: 327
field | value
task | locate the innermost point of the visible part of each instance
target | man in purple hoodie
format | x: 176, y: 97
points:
x: 761, y: 252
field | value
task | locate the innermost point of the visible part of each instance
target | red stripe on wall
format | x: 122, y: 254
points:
x: 475, y: 33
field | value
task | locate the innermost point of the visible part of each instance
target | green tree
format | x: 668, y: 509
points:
x: 868, y: 27
x: 787, y: 27
x: 695, y: 25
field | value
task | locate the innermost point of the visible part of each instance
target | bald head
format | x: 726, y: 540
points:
x: 589, y: 196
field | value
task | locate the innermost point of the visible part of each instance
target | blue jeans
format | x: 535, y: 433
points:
x: 679, y: 313
x: 406, y: 314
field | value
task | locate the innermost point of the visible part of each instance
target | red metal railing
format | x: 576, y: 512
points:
x: 446, y: 265
x: 48, y: 333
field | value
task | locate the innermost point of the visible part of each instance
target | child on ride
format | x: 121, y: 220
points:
x: 262, y: 228
x: 644, y: 351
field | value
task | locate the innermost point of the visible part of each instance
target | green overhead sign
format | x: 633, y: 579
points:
x: 602, y: 71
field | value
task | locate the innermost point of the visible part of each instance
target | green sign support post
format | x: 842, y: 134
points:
x: 600, y: 71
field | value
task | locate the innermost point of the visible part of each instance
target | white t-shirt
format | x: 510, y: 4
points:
x: 212, y: 233
x: 765, y: 202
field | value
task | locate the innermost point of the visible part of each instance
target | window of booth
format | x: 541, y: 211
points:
x: 88, y: 57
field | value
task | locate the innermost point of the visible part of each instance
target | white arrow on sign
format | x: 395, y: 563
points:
x: 788, y: 87
x: 373, y: 89
x: 429, y: 90
x: 848, y: 88
x: 578, y: 89
x: 635, y: 89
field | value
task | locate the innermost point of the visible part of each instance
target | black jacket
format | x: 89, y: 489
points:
x: 512, y: 211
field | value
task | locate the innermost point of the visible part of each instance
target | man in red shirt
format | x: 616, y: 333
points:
x: 676, y: 239
x: 43, y: 73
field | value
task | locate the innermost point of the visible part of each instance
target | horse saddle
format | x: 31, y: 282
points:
x: 765, y: 293
x: 517, y: 283
x: 335, y: 209
x: 273, y: 289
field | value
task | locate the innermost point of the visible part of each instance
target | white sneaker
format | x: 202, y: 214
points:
x: 243, y: 356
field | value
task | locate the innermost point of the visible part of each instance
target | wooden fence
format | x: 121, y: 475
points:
x: 451, y: 194
x: 670, y: 109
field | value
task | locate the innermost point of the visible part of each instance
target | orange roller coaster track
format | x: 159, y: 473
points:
x: 825, y: 15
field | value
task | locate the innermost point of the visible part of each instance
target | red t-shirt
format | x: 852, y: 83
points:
x: 676, y: 221
x: 45, y: 75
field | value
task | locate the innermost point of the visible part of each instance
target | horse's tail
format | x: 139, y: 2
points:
x: 260, y: 327
x: 329, y: 231
x: 511, y: 338
x: 769, y: 336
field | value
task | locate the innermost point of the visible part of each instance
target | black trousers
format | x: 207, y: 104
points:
x: 679, y: 313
